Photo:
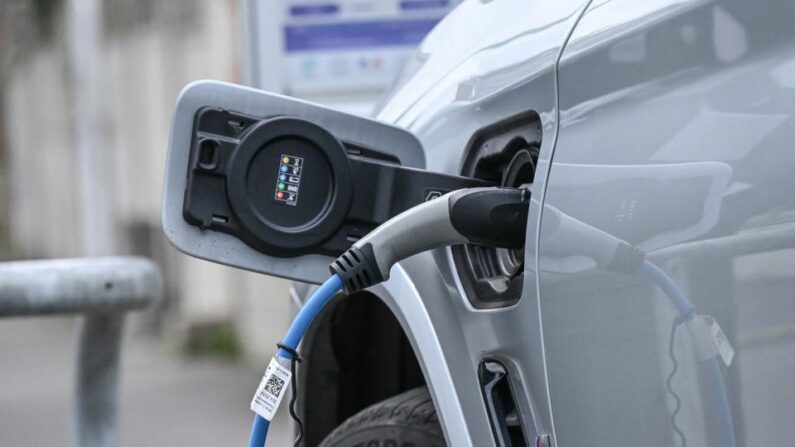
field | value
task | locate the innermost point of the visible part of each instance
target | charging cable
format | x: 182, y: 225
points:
x: 565, y: 235
x: 463, y: 216
x: 710, y: 344
x: 273, y: 385
x: 469, y: 216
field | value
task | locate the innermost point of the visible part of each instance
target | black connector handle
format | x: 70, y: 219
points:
x: 493, y: 217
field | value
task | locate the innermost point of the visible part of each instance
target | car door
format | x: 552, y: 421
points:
x: 677, y: 122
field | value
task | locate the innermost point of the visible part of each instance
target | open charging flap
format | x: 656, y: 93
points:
x: 281, y: 186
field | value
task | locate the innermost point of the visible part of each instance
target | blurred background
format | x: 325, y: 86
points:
x: 87, y: 89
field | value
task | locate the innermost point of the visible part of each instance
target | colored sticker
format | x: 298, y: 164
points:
x: 288, y: 179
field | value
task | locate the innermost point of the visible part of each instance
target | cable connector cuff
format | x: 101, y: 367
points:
x: 357, y: 269
x: 627, y: 259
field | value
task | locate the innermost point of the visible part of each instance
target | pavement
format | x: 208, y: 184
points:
x: 166, y: 399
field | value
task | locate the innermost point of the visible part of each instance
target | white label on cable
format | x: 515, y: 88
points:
x: 701, y: 335
x: 271, y: 390
x: 724, y: 347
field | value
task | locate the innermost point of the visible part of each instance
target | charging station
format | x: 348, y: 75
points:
x: 344, y: 53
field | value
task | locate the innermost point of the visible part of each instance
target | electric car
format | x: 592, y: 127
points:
x: 666, y: 126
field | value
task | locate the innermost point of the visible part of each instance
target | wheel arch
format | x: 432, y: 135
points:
x: 356, y: 354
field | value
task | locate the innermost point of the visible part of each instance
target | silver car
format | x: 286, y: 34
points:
x: 666, y: 125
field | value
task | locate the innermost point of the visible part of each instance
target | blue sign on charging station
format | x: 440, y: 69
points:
x: 342, y: 45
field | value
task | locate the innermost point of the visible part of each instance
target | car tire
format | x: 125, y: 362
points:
x: 405, y: 420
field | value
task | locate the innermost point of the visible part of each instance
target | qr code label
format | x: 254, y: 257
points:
x: 724, y: 347
x: 271, y: 390
x: 274, y: 385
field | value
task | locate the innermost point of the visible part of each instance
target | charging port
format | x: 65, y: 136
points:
x: 505, y: 153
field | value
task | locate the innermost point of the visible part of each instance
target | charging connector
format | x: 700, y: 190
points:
x: 490, y: 216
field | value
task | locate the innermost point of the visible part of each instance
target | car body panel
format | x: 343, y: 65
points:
x: 655, y: 87
x: 444, y: 102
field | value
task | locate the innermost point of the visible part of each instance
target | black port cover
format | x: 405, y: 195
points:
x: 289, y: 184
x: 287, y: 187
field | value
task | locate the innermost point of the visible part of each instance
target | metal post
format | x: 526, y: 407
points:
x: 102, y: 289
x: 96, y: 388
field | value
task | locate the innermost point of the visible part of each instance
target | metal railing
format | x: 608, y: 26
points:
x: 102, y: 290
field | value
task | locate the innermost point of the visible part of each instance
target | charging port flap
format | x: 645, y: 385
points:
x: 281, y: 186
x: 206, y: 154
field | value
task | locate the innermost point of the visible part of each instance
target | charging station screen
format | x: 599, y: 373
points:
x: 340, y: 45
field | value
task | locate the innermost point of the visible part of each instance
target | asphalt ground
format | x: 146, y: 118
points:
x: 166, y: 399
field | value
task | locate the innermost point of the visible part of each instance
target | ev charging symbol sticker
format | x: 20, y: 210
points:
x: 288, y: 180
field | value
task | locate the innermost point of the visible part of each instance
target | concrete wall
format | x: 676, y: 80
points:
x: 149, y: 51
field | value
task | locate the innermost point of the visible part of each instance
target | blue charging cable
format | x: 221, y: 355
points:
x: 669, y: 287
x: 686, y: 312
x: 299, y: 326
